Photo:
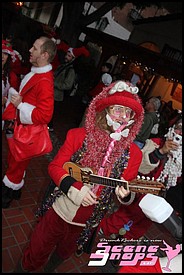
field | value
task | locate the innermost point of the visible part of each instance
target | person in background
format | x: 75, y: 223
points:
x: 62, y: 48
x: 135, y: 80
x: 151, y: 118
x: 64, y: 79
x: 21, y: 66
x: 105, y: 144
x: 9, y: 78
x: 32, y: 104
x: 105, y: 81
x: 162, y: 160
x: 106, y: 68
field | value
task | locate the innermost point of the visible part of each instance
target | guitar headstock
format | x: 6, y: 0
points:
x: 146, y: 185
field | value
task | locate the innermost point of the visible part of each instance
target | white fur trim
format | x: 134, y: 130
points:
x: 26, y: 112
x: 12, y: 185
x: 25, y: 79
x: 18, y: 54
x: 40, y: 70
x: 123, y: 86
x: 34, y: 70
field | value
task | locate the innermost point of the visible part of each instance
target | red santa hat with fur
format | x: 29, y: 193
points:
x: 7, y: 48
x: 76, y: 52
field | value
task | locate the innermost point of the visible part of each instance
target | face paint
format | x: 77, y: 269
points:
x: 119, y: 116
x: 120, y: 113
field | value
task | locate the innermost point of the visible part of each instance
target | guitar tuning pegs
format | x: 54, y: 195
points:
x: 138, y: 177
x: 148, y: 178
x: 143, y: 177
x: 152, y: 178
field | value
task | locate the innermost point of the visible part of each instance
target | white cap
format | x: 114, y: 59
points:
x: 155, y: 208
x: 106, y: 79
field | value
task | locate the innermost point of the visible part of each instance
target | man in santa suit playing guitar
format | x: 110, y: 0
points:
x: 104, y: 144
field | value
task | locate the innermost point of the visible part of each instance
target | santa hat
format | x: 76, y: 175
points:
x: 121, y: 93
x: 76, y: 52
x: 7, y: 48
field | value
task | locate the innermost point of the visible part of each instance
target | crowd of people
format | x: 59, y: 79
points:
x: 115, y: 140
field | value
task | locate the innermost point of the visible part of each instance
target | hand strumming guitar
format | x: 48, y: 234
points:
x: 89, y: 199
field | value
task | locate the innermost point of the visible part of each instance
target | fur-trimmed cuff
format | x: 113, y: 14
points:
x: 12, y: 185
x: 132, y: 197
x: 26, y: 112
x: 66, y: 183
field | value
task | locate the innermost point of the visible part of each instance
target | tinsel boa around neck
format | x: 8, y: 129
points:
x: 99, y: 140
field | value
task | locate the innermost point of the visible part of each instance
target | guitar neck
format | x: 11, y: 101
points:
x: 141, y: 187
x: 86, y: 175
x: 105, y: 181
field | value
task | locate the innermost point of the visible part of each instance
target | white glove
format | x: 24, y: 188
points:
x: 11, y: 92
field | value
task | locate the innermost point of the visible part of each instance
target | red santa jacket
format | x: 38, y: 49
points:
x: 69, y: 206
x: 37, y: 90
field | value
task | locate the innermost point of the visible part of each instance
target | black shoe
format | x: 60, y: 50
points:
x: 7, y: 196
x: 17, y: 194
x: 53, y: 263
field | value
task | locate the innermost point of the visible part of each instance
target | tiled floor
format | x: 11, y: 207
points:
x: 18, y: 221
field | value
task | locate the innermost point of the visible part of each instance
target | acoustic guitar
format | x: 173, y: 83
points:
x: 86, y: 175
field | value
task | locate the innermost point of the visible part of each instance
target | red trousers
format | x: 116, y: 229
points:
x: 125, y: 213
x: 16, y: 169
x: 52, y: 232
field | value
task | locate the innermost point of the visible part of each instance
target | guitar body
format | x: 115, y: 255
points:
x: 77, y: 172
x: 87, y: 176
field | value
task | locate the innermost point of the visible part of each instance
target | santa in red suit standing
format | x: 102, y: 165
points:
x: 32, y: 104
x: 105, y: 144
x: 9, y: 78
